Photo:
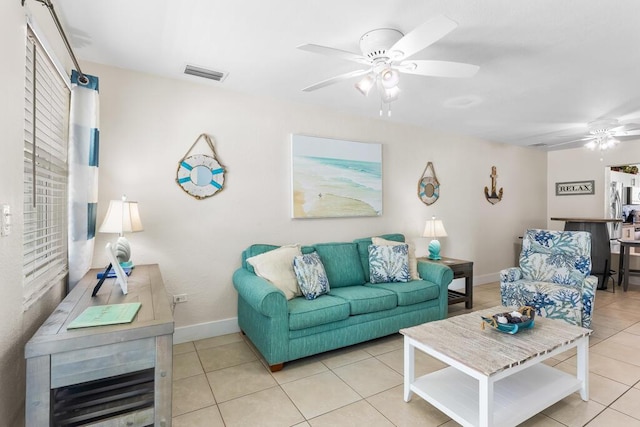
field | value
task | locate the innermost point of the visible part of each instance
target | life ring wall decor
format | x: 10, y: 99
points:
x: 428, y: 186
x: 201, y: 175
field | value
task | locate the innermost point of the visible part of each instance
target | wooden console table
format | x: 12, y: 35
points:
x: 461, y: 268
x: 108, y: 375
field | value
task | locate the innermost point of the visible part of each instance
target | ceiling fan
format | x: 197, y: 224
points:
x: 605, y: 133
x: 385, y: 53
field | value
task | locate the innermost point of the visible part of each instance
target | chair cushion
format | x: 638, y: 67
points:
x: 549, y: 299
x: 562, y: 257
x: 304, y: 313
x: 341, y: 263
x: 366, y: 299
x: 412, y: 292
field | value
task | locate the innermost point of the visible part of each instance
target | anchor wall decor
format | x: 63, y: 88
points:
x: 493, y: 197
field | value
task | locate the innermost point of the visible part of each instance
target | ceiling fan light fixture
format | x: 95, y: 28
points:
x: 365, y: 84
x: 390, y: 94
x: 390, y: 78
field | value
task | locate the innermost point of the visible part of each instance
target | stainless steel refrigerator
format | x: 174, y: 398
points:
x: 615, y: 210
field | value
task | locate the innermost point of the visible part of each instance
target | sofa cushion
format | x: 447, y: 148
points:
x: 254, y: 250
x: 304, y: 313
x: 276, y: 266
x: 342, y: 264
x: 413, y: 261
x: 363, y: 250
x: 413, y: 292
x: 366, y: 299
x: 312, y: 279
x: 389, y: 263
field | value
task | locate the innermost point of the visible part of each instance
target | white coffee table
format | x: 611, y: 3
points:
x: 494, y: 379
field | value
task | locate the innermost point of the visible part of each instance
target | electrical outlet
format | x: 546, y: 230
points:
x: 180, y: 298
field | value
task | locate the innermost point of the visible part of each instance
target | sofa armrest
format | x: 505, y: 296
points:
x: 510, y: 274
x: 436, y: 273
x: 260, y: 294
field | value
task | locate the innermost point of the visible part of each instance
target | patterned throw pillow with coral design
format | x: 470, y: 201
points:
x: 389, y: 263
x: 311, y: 275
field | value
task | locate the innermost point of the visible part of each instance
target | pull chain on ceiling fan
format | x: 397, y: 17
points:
x: 385, y: 52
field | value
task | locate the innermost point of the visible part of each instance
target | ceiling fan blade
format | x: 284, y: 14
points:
x: 438, y: 68
x: 627, y: 133
x: 337, y: 53
x: 336, y: 79
x: 423, y: 36
x: 626, y: 127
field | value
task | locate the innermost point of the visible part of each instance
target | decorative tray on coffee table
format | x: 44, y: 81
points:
x: 511, y: 322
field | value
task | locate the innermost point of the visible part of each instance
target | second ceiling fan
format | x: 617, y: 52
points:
x: 385, y: 53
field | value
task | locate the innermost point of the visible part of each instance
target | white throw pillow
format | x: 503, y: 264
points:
x: 276, y: 266
x: 413, y: 262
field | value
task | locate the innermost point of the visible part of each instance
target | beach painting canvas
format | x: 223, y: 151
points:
x: 334, y: 178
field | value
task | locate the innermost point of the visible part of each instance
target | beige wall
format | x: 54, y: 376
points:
x: 580, y: 164
x: 148, y: 123
x: 17, y: 326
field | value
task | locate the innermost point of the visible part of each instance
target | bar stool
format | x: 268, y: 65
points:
x: 624, y: 270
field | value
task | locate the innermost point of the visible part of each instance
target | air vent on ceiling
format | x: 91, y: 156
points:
x: 539, y: 144
x: 205, y: 73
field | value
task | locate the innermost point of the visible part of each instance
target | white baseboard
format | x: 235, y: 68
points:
x: 205, y: 330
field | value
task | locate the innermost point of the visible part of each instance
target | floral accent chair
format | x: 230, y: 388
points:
x: 553, y: 277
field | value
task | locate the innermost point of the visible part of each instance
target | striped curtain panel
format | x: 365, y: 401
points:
x: 84, y: 144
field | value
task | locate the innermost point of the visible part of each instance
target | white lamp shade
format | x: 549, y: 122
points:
x: 390, y: 78
x: 122, y: 217
x: 434, y: 228
x: 365, y: 84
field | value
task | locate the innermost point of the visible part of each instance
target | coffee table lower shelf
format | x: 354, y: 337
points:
x: 516, y: 398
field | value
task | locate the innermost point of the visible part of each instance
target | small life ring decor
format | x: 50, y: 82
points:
x: 201, y: 175
x: 428, y: 186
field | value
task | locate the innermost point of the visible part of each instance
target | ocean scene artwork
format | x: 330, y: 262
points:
x: 335, y: 178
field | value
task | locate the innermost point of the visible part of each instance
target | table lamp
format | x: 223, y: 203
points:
x: 434, y: 229
x: 122, y: 217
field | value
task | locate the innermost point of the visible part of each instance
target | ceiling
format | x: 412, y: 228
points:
x: 547, y: 67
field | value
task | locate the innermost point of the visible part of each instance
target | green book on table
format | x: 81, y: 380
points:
x: 110, y: 314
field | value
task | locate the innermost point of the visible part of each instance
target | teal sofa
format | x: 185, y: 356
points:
x: 354, y: 311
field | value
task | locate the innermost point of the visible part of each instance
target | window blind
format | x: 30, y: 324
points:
x: 46, y: 124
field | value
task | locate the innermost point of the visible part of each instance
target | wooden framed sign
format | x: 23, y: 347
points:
x: 575, y: 188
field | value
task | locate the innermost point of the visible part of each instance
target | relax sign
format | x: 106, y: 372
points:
x: 574, y: 188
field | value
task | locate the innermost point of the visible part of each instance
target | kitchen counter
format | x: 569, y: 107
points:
x: 592, y: 220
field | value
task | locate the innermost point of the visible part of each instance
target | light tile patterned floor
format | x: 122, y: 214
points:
x: 222, y: 381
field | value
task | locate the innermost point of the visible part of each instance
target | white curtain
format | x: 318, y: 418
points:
x: 84, y: 144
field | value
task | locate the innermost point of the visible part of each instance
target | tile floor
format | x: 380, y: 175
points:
x: 222, y: 381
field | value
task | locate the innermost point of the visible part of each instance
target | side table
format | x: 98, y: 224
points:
x: 461, y: 268
x: 112, y: 375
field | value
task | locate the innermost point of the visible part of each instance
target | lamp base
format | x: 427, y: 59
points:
x: 123, y: 249
x: 434, y: 250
